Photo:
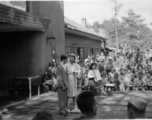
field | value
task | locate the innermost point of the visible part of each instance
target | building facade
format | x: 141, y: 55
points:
x: 81, y: 40
x: 31, y: 37
x: 27, y: 38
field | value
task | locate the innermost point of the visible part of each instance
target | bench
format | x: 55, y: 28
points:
x: 109, y: 86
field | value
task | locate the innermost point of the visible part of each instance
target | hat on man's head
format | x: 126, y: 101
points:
x: 138, y: 102
x: 72, y: 55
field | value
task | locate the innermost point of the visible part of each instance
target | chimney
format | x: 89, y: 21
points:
x: 84, y: 22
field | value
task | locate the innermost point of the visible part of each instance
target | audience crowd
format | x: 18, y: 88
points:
x: 122, y: 70
x: 126, y: 70
x: 118, y: 71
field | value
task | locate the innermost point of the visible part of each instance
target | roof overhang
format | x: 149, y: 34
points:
x: 109, y: 49
x: 83, y: 34
x: 12, y: 19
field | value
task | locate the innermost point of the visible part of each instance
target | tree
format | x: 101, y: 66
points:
x: 135, y: 29
x: 116, y: 8
x: 109, y: 26
x: 130, y: 30
x: 96, y: 26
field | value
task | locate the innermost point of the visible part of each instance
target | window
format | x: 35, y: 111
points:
x: 73, y: 50
x: 67, y: 50
x: 98, y: 50
x: 92, y: 51
x: 81, y: 53
x: 85, y: 53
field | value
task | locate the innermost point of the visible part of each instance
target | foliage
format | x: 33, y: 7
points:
x: 131, y: 29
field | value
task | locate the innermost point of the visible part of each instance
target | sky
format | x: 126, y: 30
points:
x: 99, y: 10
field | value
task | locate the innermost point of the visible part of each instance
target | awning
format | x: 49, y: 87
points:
x: 109, y: 49
x: 12, y: 19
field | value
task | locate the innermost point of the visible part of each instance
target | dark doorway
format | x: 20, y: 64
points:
x: 92, y: 51
x: 78, y: 51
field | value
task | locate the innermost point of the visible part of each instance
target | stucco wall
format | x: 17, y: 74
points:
x: 29, y: 53
x: 23, y: 54
x: 75, y: 41
x: 81, y: 41
x: 53, y: 10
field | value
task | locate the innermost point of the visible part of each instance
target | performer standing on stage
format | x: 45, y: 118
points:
x: 63, y: 86
x: 72, y: 80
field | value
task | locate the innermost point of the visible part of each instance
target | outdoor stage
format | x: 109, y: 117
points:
x: 111, y: 107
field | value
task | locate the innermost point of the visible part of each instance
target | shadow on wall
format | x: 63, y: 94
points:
x: 22, y: 54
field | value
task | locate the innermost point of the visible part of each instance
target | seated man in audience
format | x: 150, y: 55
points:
x: 109, y: 65
x: 147, y: 82
x: 109, y: 80
x: 127, y: 79
x: 117, y: 67
x: 136, y: 108
x: 50, y: 78
x: 149, y: 69
x: 139, y: 82
x: 101, y: 66
x: 132, y: 82
x: 48, y: 81
x: 112, y: 72
x: 43, y: 115
x: 122, y: 80
x: 87, y: 104
x: 116, y: 81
